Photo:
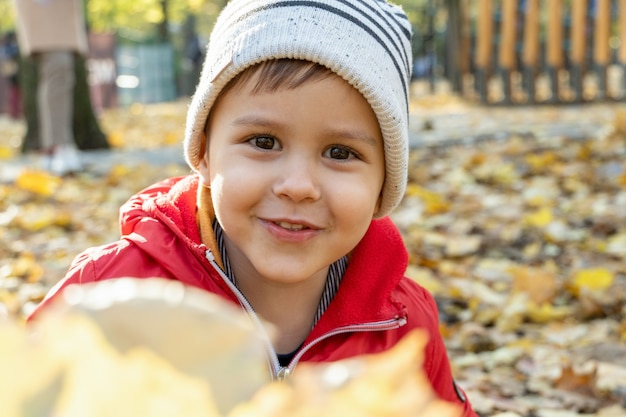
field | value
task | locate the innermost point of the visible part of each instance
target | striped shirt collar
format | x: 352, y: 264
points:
x: 333, y: 279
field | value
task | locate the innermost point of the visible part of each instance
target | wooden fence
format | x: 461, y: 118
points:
x: 537, y: 51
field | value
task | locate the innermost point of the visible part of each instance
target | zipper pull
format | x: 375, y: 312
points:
x: 283, y: 373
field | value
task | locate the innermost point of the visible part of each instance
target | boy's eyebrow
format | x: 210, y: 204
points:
x: 357, y: 135
x: 252, y: 120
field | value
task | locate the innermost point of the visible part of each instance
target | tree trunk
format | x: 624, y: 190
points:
x: 87, y: 132
x: 453, y: 44
x: 163, y: 31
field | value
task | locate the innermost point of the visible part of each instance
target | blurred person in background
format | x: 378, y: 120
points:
x: 53, y: 32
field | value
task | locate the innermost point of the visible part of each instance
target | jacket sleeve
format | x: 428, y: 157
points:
x: 438, y: 368
x: 100, y: 263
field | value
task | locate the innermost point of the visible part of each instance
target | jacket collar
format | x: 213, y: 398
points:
x: 375, y: 268
x: 205, y: 214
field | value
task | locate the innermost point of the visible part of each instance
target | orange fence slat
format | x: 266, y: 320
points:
x: 484, y: 34
x: 530, y: 52
x: 579, y: 27
x: 506, y: 54
x: 602, y: 33
x: 554, y: 47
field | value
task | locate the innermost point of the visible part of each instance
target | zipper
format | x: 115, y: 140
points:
x: 391, y: 324
x: 273, y: 363
x: 279, y: 372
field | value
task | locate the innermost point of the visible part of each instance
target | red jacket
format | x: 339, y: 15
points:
x: 375, y: 305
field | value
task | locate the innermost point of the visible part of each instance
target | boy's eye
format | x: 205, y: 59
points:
x: 264, y: 142
x: 339, y: 152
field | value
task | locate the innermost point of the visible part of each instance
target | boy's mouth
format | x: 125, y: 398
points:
x: 291, y: 226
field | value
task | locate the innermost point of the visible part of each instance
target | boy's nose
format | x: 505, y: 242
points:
x: 298, y: 181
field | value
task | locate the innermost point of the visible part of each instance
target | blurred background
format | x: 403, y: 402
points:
x: 508, y: 52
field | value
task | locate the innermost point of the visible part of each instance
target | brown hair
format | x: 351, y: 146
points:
x: 279, y: 73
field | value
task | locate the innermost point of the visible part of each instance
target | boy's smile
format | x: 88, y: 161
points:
x: 295, y: 176
x: 293, y: 230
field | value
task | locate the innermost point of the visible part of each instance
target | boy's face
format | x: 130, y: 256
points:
x: 295, y: 176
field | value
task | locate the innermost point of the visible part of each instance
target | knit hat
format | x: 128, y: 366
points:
x: 366, y: 42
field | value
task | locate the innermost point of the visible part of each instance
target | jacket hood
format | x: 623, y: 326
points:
x: 172, y: 201
x: 161, y: 222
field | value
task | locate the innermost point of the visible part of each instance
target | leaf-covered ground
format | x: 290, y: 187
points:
x: 515, y: 220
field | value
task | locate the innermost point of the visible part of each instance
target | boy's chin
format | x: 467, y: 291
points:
x: 291, y: 276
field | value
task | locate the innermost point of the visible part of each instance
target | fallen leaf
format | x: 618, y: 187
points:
x: 539, y: 218
x: 570, y: 380
x: 540, y: 285
x: 595, y: 279
x: 433, y: 202
x: 38, y: 182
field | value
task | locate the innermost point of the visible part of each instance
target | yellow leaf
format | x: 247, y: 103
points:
x: 477, y: 159
x: 38, y: 182
x: 585, y: 152
x: 593, y: 279
x: 539, y: 218
x: 6, y: 152
x: 621, y: 179
x: 544, y: 313
x: 497, y: 172
x: 21, y: 265
x: 541, y: 161
x: 433, y: 202
x: 27, y: 267
x: 115, y: 139
x: 424, y: 277
x: 523, y: 342
x: 35, y: 220
x: 117, y: 174
x: 10, y: 303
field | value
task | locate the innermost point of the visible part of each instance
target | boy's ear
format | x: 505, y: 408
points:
x: 378, y: 203
x: 203, y: 165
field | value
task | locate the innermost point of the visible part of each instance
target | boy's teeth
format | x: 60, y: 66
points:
x: 290, y: 226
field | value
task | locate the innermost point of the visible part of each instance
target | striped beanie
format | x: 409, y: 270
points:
x: 366, y: 42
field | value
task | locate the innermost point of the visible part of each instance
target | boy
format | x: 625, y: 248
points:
x: 298, y: 136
